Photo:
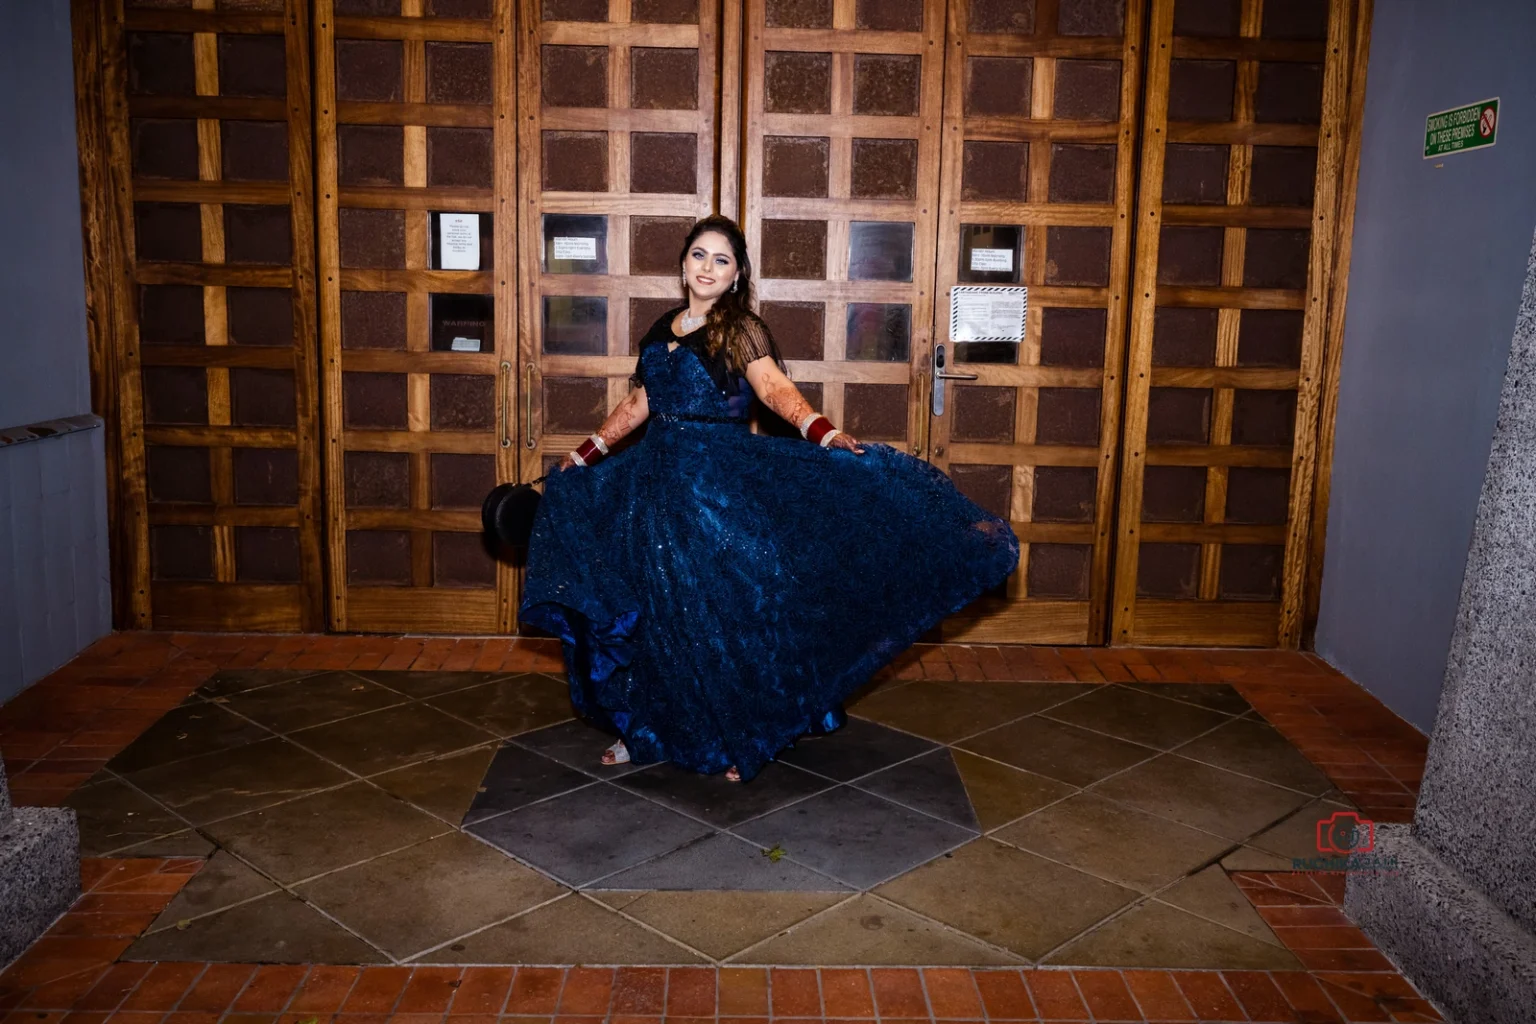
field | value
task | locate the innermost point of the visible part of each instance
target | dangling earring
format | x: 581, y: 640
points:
x: 734, y: 283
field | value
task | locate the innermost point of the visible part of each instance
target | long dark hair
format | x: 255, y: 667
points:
x: 727, y: 324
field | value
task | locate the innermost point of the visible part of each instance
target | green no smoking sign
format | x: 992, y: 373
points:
x: 1474, y: 126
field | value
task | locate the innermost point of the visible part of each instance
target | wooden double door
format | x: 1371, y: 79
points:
x: 316, y: 389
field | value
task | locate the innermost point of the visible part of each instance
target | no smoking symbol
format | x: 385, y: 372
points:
x: 1486, y: 122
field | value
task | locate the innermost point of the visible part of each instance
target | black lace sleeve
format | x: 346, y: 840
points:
x: 637, y: 379
x: 757, y: 342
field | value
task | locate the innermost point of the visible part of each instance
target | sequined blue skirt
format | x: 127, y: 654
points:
x: 719, y: 593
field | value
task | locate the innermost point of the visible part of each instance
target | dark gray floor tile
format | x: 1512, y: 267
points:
x: 1057, y: 751
x: 275, y: 929
x: 1137, y: 716
x: 858, y: 748
x: 427, y: 684
x: 589, y: 833
x: 1203, y: 797
x: 1257, y: 749
x: 221, y: 883
x: 507, y: 707
x: 578, y: 745
x: 313, y: 700
x: 183, y: 732
x: 719, y: 801
x: 855, y: 836
x: 931, y: 784
x: 231, y: 782
x: 443, y: 786
x: 392, y: 738
x: 721, y: 862
x: 113, y: 815
x: 238, y: 680
x: 1216, y: 696
x: 518, y: 777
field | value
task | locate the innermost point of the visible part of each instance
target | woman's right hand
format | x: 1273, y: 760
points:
x: 566, y: 462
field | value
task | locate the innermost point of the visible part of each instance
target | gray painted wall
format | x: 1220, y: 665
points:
x: 54, y: 596
x: 1439, y: 259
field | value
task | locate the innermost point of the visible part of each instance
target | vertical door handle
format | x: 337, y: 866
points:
x: 529, y: 441
x: 940, y: 375
x: 506, y: 405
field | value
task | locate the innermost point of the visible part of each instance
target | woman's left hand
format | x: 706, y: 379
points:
x: 845, y: 440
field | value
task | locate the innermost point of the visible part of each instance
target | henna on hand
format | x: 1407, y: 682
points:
x: 625, y: 418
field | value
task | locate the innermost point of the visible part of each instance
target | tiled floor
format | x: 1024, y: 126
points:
x: 348, y: 800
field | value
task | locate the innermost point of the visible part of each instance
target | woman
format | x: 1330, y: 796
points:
x: 719, y: 593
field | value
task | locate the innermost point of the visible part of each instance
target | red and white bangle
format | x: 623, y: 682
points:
x: 817, y: 429
x: 590, y: 451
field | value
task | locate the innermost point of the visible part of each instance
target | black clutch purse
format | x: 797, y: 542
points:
x: 508, y: 511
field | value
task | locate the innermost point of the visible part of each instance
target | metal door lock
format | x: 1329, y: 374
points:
x: 940, y: 375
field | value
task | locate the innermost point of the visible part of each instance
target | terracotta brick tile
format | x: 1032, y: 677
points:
x: 271, y: 989
x: 1158, y: 996
x: 1306, y: 997
x: 1208, y: 994
x: 97, y: 924
x: 1106, y: 995
x: 640, y: 991
x: 51, y: 959
x: 85, y: 1017
x: 536, y: 990
x: 417, y: 1018
x: 1311, y: 916
x: 1345, y: 936
x: 691, y: 992
x: 588, y: 990
x: 377, y: 990
x: 1005, y: 996
x: 113, y: 987
x: 482, y: 990
x: 952, y: 993
x: 1343, y: 960
x: 1261, y: 999
x: 1056, y: 995
x: 899, y: 992
x: 191, y: 1017
x: 845, y: 993
x: 163, y: 987
x: 743, y: 992
x: 634, y: 1018
x: 135, y: 1017
x: 463, y: 656
x: 430, y: 990
x: 1355, y: 1006
x: 216, y: 990
x: 58, y: 995
x: 795, y: 992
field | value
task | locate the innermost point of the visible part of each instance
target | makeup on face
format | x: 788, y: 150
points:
x: 710, y: 267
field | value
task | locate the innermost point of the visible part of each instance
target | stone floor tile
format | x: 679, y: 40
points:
x: 572, y: 930
x: 719, y: 924
x: 576, y: 745
x: 930, y: 783
x: 417, y: 898
x: 1000, y: 793
x: 869, y: 931
x: 186, y: 843
x: 1250, y: 858
x: 721, y: 861
x: 1296, y: 836
x: 1201, y: 796
x: 584, y: 835
x: 273, y: 929
x: 933, y: 710
x: 231, y: 782
x: 423, y: 684
x: 1138, y: 717
x: 382, y: 740
x: 856, y: 749
x: 1124, y: 845
x: 517, y: 777
x: 313, y: 700
x: 183, y: 732
x: 1057, y: 751
x: 1257, y: 749
x: 854, y: 836
x: 238, y: 680
x: 222, y: 882
x: 717, y: 800
x: 1008, y: 897
x: 325, y: 831
x: 1211, y: 894
x: 1216, y: 696
x: 1015, y: 699
x: 1157, y: 935
x: 444, y: 786
x: 113, y: 815
x: 510, y: 706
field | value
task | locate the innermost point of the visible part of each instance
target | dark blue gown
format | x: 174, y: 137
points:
x: 719, y: 593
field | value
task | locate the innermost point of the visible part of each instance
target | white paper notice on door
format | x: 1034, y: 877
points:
x: 458, y: 242
x: 987, y: 313
x: 992, y: 259
x: 575, y: 248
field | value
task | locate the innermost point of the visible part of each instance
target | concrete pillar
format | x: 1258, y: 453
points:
x: 1459, y: 912
x: 39, y: 870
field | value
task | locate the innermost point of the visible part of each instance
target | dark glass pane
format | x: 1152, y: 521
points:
x: 879, y: 251
x: 575, y: 244
x: 462, y: 323
x: 459, y: 233
x: 879, y: 332
x: 991, y: 253
x: 575, y: 325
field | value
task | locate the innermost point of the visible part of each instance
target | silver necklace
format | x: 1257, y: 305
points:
x: 693, y: 323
